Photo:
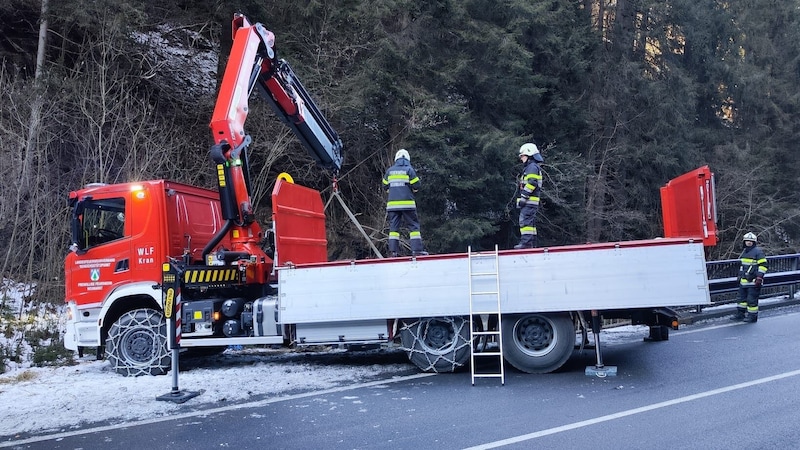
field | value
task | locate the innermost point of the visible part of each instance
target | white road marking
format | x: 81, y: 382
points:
x: 207, y: 412
x: 630, y: 412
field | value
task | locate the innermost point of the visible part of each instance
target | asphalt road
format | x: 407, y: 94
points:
x: 713, y: 385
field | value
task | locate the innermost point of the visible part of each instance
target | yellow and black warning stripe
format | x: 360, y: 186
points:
x: 206, y: 276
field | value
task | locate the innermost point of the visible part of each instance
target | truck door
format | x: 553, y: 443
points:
x: 101, y: 260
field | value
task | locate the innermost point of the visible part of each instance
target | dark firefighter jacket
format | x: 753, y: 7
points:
x: 401, y: 182
x: 754, y: 263
x: 530, y: 184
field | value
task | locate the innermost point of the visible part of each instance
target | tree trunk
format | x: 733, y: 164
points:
x: 28, y: 153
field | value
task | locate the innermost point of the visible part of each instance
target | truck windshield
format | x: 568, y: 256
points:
x: 99, y: 221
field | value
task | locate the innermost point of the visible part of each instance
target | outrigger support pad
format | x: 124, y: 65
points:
x: 599, y: 370
x: 176, y: 395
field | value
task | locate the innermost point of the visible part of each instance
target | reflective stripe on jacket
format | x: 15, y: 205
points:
x: 754, y: 263
x: 530, y: 184
x: 401, y: 182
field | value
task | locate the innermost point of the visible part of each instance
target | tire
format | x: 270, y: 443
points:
x: 137, y: 344
x: 439, y: 344
x: 538, y: 343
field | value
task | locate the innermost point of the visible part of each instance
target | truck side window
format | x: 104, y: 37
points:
x: 102, y: 221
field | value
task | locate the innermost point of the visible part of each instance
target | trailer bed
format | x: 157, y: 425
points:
x: 621, y: 275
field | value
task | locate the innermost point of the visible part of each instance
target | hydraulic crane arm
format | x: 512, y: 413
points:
x: 252, y: 63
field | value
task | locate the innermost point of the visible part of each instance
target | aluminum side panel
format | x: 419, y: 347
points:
x: 614, y: 278
x: 373, y: 291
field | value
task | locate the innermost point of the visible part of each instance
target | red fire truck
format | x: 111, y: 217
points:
x: 147, y: 252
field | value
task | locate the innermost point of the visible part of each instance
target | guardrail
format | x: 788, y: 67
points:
x: 782, y: 278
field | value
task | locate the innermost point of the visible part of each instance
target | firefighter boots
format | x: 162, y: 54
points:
x: 751, y: 317
x: 525, y: 245
x: 527, y: 241
x: 739, y: 316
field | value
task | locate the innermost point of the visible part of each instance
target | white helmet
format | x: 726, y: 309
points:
x: 402, y: 153
x: 531, y: 151
x: 528, y: 149
x: 750, y: 236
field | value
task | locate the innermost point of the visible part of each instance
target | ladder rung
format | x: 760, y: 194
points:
x: 485, y: 270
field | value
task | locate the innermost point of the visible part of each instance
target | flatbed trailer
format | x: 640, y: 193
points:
x: 544, y: 294
x: 621, y: 275
x: 426, y: 303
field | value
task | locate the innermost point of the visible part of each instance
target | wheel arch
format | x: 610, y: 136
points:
x: 125, y: 300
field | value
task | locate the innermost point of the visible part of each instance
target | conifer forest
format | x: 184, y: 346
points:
x: 620, y: 96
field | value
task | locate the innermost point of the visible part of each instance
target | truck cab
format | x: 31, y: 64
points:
x: 122, y: 235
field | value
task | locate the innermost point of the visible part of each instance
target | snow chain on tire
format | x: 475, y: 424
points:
x: 432, y: 352
x: 137, y: 344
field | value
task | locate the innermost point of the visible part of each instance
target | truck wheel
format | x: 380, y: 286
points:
x: 538, y: 343
x: 137, y: 344
x: 439, y: 344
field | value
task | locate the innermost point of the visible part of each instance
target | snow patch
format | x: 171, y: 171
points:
x: 180, y: 55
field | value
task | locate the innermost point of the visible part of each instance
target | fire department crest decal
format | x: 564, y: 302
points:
x: 94, y: 275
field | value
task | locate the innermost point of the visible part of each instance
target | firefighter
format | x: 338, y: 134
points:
x: 751, y: 277
x: 530, y: 186
x: 401, y: 182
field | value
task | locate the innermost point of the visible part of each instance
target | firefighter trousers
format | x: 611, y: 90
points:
x: 396, y: 220
x: 527, y: 226
x: 748, y: 300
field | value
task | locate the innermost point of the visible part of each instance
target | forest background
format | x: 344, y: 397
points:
x: 621, y: 96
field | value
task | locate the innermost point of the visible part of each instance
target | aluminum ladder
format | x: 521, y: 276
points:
x: 484, y: 301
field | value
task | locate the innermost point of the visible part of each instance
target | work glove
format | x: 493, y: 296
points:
x: 759, y: 280
x: 520, y: 202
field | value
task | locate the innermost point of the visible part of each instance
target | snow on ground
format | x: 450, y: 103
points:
x: 35, y: 400
x: 15, y: 321
x: 181, y: 58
